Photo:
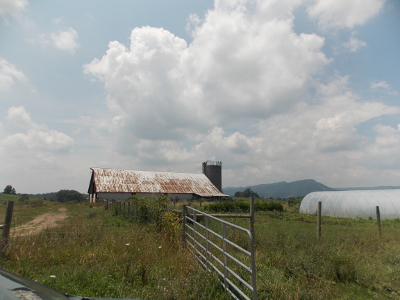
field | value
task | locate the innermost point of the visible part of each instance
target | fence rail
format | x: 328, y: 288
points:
x: 215, y: 251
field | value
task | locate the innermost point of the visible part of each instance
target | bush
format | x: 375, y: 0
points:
x: 23, y: 198
x: 69, y: 195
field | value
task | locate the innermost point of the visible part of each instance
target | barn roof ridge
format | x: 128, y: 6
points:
x: 92, y: 168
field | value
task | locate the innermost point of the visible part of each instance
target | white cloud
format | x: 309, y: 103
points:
x: 381, y: 85
x: 344, y: 13
x: 64, y: 40
x: 9, y: 74
x: 193, y: 22
x: 20, y: 117
x: 13, y: 7
x: 2, y: 133
x: 354, y: 44
x: 383, y: 153
x: 240, y: 65
x: 240, y: 93
x: 37, y: 157
x: 37, y: 138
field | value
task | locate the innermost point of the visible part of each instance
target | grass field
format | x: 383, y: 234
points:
x: 8, y: 197
x: 97, y: 255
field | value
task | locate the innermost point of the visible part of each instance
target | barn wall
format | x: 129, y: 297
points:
x: 114, y: 196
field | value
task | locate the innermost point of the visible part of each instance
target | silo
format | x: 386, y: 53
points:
x: 213, y: 171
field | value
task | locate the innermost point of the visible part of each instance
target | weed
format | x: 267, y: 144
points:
x: 95, y: 254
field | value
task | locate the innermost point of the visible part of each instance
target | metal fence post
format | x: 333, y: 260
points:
x: 6, y: 228
x: 252, y: 219
x: 253, y: 269
x: 319, y: 225
x: 378, y: 220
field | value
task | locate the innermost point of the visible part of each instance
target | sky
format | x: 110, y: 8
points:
x: 278, y: 90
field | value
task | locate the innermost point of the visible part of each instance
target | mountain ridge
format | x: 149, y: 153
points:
x: 298, y: 188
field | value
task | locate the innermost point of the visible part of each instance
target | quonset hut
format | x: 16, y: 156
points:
x: 354, y: 204
x: 112, y: 184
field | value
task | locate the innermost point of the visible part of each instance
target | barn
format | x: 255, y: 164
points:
x: 110, y: 184
x: 354, y: 204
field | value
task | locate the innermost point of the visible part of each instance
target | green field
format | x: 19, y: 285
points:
x: 95, y: 254
x: 8, y: 197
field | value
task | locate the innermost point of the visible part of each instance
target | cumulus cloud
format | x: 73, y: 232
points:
x: 344, y: 13
x: 239, y: 65
x: 65, y: 40
x: 9, y: 74
x: 248, y: 90
x: 13, y: 7
x: 37, y: 139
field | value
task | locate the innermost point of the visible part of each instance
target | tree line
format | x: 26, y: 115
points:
x: 60, y: 196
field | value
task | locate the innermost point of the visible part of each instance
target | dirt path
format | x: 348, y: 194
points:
x: 41, y: 222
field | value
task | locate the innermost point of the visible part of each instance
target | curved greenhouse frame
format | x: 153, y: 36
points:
x: 354, y: 204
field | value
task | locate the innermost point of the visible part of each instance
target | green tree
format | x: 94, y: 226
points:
x: 69, y: 195
x: 247, y: 193
x: 23, y: 198
x: 9, y: 190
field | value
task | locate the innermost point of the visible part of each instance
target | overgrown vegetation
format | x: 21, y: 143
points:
x: 243, y: 206
x: 96, y: 254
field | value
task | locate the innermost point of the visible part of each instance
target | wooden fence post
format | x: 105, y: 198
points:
x: 378, y: 220
x: 252, y: 220
x: 319, y: 224
x: 6, y: 228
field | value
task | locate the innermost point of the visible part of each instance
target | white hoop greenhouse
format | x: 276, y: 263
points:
x: 354, y: 204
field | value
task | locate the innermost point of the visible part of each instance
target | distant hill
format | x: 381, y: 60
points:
x: 369, y: 188
x: 282, y: 189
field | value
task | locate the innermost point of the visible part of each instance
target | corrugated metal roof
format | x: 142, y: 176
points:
x: 131, y: 181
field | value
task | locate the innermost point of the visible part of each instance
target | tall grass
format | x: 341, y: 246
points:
x: 350, y: 262
x: 96, y: 255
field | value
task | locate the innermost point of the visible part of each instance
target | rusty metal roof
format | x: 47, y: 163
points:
x: 131, y: 181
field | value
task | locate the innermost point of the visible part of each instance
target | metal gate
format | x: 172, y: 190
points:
x: 211, y: 240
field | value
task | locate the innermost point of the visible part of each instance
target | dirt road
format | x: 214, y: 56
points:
x: 40, y: 222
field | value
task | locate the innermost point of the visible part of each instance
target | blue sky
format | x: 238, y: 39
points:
x: 276, y: 90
